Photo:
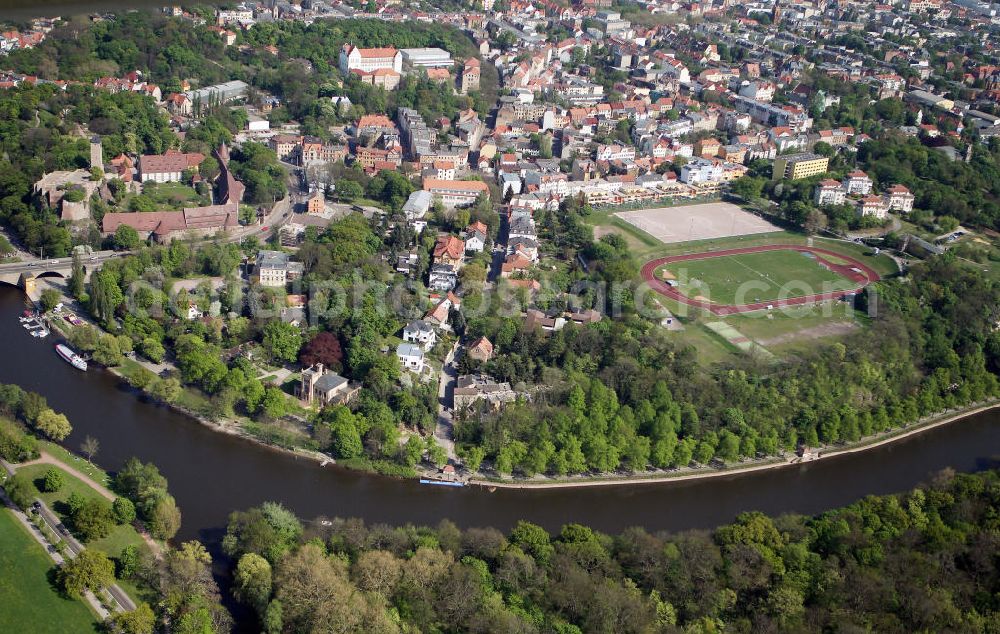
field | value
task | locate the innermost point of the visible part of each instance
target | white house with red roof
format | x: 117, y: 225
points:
x: 830, y: 192
x: 370, y: 60
x: 857, y: 182
x: 899, y: 199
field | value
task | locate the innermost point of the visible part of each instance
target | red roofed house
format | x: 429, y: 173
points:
x: 369, y: 60
x: 385, y: 78
x: 900, y: 199
x: 440, y: 75
x: 857, y: 182
x: 456, y: 193
x: 470, y: 76
x: 163, y: 226
x: 481, y: 350
x: 449, y: 250
x: 166, y: 168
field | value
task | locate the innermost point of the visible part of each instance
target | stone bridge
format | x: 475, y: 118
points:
x: 23, y: 274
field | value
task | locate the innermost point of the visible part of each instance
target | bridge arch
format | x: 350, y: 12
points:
x: 49, y: 274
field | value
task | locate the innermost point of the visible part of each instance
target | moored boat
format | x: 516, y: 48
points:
x: 71, y: 357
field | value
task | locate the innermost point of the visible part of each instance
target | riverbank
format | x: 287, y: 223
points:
x: 775, y: 463
x: 235, y: 428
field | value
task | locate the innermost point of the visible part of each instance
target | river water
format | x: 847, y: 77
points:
x: 212, y: 474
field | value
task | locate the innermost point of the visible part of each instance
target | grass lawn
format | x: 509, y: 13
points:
x: 63, y: 455
x: 755, y: 277
x: 30, y: 603
x: 882, y: 264
x: 783, y: 332
x: 606, y: 222
x: 120, y: 536
x: 169, y: 196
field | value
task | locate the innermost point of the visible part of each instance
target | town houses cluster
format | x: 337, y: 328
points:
x: 589, y: 103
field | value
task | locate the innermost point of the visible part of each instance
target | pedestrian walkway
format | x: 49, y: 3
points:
x: 103, y: 491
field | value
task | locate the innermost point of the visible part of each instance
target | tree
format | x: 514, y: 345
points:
x: 126, y: 238
x: 274, y: 405
x: 152, y: 349
x: 20, y: 489
x: 435, y: 452
x: 345, y: 431
x: 53, y: 480
x: 349, y: 190
x: 89, y: 570
x: 128, y: 562
x: 141, y: 620
x: 252, y: 581
x: 472, y: 457
x: 823, y: 148
x: 123, y: 510
x: 89, y: 448
x: 93, y: 519
x: 948, y: 223
x: 49, y: 299
x: 84, y: 338
x: 165, y: 520
x: 105, y: 295
x: 55, y: 426
x: 412, y: 451
x: 76, y: 278
x: 534, y: 540
x: 282, y: 341
x: 269, y: 530
x: 108, y: 351
x: 323, y: 348
x: 166, y: 390
x: 377, y: 571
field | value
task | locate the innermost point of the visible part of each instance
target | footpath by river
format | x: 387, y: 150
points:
x: 212, y: 474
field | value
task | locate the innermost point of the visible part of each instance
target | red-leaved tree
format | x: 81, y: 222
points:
x: 323, y: 348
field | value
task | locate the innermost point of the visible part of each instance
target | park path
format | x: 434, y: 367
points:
x: 103, y: 491
x: 46, y: 458
x: 50, y: 550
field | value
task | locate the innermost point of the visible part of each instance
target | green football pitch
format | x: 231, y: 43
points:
x: 748, y: 278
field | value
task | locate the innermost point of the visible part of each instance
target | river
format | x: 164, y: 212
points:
x: 212, y: 474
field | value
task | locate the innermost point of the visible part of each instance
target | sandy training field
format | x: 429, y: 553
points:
x: 696, y: 222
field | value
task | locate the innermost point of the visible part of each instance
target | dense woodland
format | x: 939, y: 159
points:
x: 923, y: 561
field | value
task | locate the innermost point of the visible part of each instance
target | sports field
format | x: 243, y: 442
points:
x: 755, y: 278
x: 28, y: 601
x: 705, y: 221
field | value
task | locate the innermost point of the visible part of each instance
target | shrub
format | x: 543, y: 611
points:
x: 123, y: 510
x: 128, y: 562
x: 53, y: 480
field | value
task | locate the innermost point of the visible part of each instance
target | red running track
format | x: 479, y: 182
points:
x: 864, y: 278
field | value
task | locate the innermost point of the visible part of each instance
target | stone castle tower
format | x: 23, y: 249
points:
x: 96, y: 152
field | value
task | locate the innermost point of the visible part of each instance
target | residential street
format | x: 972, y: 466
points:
x: 446, y: 387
